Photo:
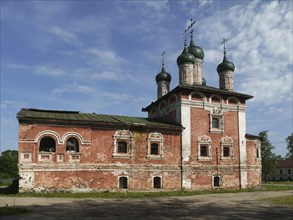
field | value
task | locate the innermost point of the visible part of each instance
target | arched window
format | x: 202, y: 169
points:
x: 123, y: 182
x: 47, y: 144
x: 157, y: 182
x: 154, y: 149
x: 72, y: 144
x: 122, y: 147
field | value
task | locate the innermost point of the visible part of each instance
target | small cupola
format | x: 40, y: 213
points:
x: 226, y: 72
x: 185, y: 56
x: 226, y: 64
x: 163, y: 75
x: 196, y: 51
x: 163, y: 80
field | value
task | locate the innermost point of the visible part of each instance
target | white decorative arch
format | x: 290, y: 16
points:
x: 197, y: 93
x: 74, y: 134
x: 48, y: 133
x: 233, y: 98
x: 218, y: 96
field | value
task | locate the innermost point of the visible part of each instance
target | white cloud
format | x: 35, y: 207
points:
x: 156, y: 5
x: 73, y: 88
x: 66, y: 36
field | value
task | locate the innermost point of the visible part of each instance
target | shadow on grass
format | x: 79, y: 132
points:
x: 172, y: 208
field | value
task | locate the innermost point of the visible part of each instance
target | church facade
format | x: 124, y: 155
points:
x: 194, y: 137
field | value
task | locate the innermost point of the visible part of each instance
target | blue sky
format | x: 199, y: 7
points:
x: 103, y: 56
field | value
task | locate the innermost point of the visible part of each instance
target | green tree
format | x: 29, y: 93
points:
x: 269, y: 159
x: 289, y: 141
x: 8, y: 164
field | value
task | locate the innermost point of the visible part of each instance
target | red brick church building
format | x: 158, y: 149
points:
x: 194, y: 137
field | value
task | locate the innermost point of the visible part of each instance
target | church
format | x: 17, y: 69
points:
x: 193, y: 138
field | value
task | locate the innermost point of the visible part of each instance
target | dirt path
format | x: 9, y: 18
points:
x: 213, y: 206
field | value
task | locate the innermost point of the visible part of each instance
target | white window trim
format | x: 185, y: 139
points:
x: 227, y: 142
x: 123, y: 135
x: 155, y: 137
x: 204, y: 140
x: 218, y: 114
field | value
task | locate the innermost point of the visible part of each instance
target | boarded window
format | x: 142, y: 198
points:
x: 48, y: 144
x: 123, y: 183
x: 122, y: 147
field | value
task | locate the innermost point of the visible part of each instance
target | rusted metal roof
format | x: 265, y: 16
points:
x: 75, y: 118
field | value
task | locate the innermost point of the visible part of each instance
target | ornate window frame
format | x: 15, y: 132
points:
x: 216, y: 113
x: 125, y: 136
x: 155, y: 138
x: 204, y: 140
x: 227, y: 142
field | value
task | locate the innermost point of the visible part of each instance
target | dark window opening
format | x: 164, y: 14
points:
x: 157, y: 182
x: 154, y: 149
x: 215, y: 123
x: 123, y: 183
x: 289, y: 171
x: 48, y: 144
x: 72, y: 145
x: 122, y: 147
x: 281, y: 171
x: 216, y: 181
x: 226, y: 152
x: 203, y: 151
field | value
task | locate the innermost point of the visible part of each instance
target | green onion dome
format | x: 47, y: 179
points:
x: 225, y: 65
x: 185, y: 57
x: 163, y: 75
x: 196, y: 51
x: 204, y: 82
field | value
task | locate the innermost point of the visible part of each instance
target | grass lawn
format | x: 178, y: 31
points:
x: 129, y: 194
